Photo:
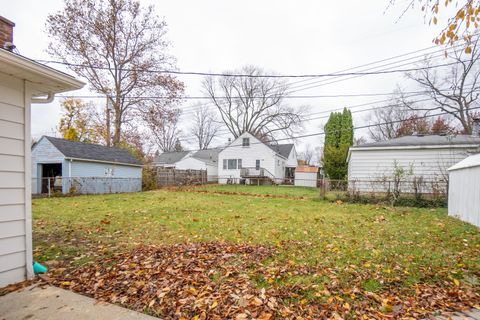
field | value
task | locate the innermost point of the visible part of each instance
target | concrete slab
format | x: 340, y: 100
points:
x: 52, y: 303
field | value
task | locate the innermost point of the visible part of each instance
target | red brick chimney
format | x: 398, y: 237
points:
x: 6, y: 34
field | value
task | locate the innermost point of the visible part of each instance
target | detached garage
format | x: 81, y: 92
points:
x: 22, y: 82
x: 65, y: 166
x: 464, y: 190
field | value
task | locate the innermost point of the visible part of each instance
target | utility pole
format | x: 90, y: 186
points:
x: 108, y: 122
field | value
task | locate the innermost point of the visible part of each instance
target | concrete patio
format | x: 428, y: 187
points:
x: 52, y: 303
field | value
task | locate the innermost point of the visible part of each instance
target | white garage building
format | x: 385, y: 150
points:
x: 22, y: 82
x: 464, y: 190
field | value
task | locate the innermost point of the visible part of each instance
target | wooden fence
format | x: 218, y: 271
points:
x: 174, y: 177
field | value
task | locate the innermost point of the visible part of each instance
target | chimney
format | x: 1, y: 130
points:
x: 6, y: 34
x: 476, y: 127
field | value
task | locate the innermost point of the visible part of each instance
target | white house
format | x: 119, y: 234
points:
x: 464, y: 190
x: 247, y: 159
x: 23, y: 82
x: 419, y: 159
x: 201, y: 160
x: 169, y: 159
x: 68, y: 166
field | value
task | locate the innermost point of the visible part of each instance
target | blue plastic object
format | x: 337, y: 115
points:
x: 38, y: 268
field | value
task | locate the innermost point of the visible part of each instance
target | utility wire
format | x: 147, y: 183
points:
x: 336, y: 131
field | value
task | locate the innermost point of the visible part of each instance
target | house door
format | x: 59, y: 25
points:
x: 257, y: 164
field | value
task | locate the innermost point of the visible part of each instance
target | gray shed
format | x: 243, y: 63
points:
x: 66, y: 166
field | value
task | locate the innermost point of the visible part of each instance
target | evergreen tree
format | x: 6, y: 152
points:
x: 338, y: 139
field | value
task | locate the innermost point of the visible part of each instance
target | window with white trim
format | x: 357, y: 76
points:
x: 232, y: 164
x: 246, y: 142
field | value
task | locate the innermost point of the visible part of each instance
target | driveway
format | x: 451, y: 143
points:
x: 52, y: 303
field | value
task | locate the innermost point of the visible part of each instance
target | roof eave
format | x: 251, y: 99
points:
x: 104, y: 161
x: 435, y: 146
x: 64, y: 81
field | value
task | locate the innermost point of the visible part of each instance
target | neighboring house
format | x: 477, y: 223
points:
x: 306, y: 176
x: 464, y: 190
x: 68, y: 166
x: 201, y: 160
x: 23, y: 82
x: 247, y: 159
x: 169, y: 159
x: 419, y: 161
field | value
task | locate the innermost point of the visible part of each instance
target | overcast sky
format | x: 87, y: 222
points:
x: 286, y: 37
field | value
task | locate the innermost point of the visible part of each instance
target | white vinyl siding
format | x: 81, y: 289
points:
x: 257, y: 151
x: 14, y: 208
x: 464, y: 194
x: 367, y: 166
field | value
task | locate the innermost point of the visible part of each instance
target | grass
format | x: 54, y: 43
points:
x: 289, y: 191
x: 386, y: 246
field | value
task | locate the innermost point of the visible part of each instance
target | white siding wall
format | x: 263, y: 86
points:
x: 431, y: 164
x: 464, y: 195
x: 190, y: 163
x: 45, y: 152
x: 249, y: 155
x: 15, y: 215
x: 280, y: 164
x: 306, y: 179
x: 292, y: 158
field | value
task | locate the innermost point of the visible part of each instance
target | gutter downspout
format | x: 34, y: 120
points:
x: 48, y: 99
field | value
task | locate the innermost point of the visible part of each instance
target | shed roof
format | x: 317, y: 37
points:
x: 282, y: 149
x: 424, y: 140
x: 469, y: 162
x: 88, y: 151
x: 170, y: 157
x: 309, y: 169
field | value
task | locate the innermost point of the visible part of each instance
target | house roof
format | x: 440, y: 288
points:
x: 426, y: 140
x: 469, y: 162
x: 170, y: 157
x: 207, y: 155
x: 44, y: 79
x: 88, y: 151
x: 282, y: 149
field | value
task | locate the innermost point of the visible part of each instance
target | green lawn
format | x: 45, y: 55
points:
x: 287, y: 191
x: 351, y: 258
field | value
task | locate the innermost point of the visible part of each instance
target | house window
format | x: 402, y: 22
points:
x: 109, y: 172
x: 257, y: 164
x: 246, y: 142
x: 232, y: 164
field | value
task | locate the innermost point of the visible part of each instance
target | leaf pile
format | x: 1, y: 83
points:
x: 238, y: 193
x: 216, y: 281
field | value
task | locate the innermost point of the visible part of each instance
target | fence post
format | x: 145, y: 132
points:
x: 322, y: 189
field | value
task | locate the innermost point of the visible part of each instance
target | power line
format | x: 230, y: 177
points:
x: 335, y: 131
x: 250, y: 75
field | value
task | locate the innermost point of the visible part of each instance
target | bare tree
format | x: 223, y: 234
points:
x: 386, y: 120
x: 253, y: 103
x: 163, y: 127
x: 307, y: 155
x: 455, y: 92
x: 205, y: 127
x: 115, y: 44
